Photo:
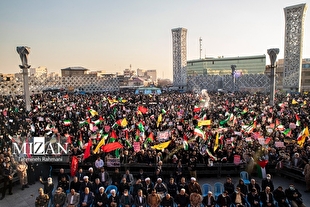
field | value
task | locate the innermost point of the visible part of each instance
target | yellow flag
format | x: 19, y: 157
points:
x: 160, y: 117
x: 204, y: 123
x: 102, y: 142
x: 124, y: 122
x: 294, y: 101
x: 302, y: 137
x: 93, y: 112
x: 216, y: 144
x: 161, y: 146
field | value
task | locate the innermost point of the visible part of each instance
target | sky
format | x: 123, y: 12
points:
x: 112, y: 35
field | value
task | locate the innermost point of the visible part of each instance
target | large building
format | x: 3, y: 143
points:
x: 39, y: 71
x: 222, y: 65
x: 305, y: 75
x: 73, y: 71
x: 179, y: 51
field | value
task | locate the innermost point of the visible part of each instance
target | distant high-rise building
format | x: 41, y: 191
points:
x: 179, y: 50
x: 140, y: 72
x: 152, y: 74
x: 39, y: 71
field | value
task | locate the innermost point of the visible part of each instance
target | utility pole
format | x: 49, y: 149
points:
x: 23, y: 52
x: 273, y: 56
x: 233, y: 71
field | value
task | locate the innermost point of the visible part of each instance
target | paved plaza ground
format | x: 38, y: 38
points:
x: 26, y: 198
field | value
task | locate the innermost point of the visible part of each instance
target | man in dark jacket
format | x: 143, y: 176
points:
x: 267, y: 182
x: 280, y: 197
x: 294, y: 196
x: 182, y: 199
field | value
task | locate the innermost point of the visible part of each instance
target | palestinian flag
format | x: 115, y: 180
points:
x: 199, y: 132
x: 287, y: 132
x: 97, y: 122
x: 137, y: 137
x: 113, y: 136
x: 150, y: 138
x: 67, y: 122
x: 82, y: 123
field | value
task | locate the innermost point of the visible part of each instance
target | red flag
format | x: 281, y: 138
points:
x: 74, y: 166
x: 196, y: 109
x: 28, y: 148
x: 185, y: 138
x: 119, y: 122
x: 142, y: 109
x: 87, y: 150
x: 111, y: 146
x: 68, y: 138
x: 267, y: 140
x: 262, y: 163
x: 101, y: 118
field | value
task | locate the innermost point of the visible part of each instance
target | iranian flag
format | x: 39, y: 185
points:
x: 67, y: 122
x: 200, y: 133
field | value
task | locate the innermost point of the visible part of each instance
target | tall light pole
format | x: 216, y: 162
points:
x: 273, y: 57
x: 233, y: 71
x: 23, y: 52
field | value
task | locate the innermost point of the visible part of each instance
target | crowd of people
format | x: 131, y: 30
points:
x: 180, y: 128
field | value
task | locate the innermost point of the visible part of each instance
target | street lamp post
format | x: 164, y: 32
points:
x: 273, y: 56
x: 23, y: 52
x: 233, y: 71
